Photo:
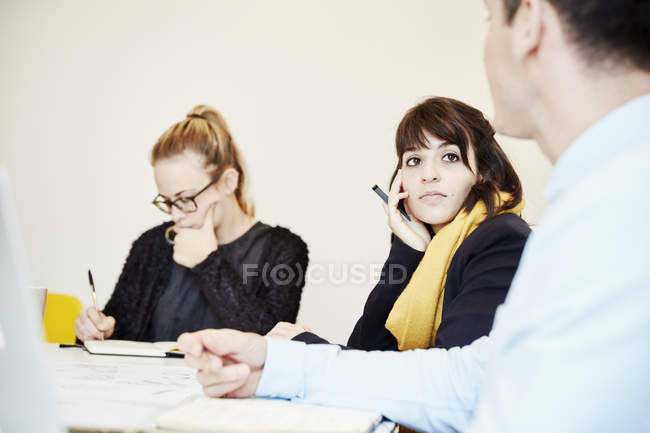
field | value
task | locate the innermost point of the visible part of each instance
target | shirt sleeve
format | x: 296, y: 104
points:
x: 432, y: 390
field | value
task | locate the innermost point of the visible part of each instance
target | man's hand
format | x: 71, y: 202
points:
x: 230, y: 362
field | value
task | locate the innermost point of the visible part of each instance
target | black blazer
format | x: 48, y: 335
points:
x: 478, y: 280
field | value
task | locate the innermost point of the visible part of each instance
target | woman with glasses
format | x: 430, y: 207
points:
x: 213, y: 265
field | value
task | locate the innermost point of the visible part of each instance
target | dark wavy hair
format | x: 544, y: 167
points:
x: 464, y: 126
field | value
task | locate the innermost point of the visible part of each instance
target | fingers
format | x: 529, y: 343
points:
x: 85, y: 327
x: 190, y: 344
x: 225, y: 359
x: 247, y: 347
x: 394, y: 215
x: 217, y: 341
x: 396, y: 199
x: 408, y: 210
x: 240, y: 346
x: 102, y: 322
x: 193, y: 245
x: 109, y: 326
x: 286, y: 330
x: 204, y: 362
x: 94, y: 316
x: 80, y: 331
x: 395, y: 195
x: 224, y: 381
x: 227, y: 374
x: 248, y: 388
x: 396, y: 186
x: 99, y: 321
x: 224, y: 389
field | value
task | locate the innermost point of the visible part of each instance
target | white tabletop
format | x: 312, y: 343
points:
x: 121, y: 392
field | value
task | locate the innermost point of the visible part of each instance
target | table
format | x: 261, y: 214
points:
x: 117, y: 392
x: 121, y: 392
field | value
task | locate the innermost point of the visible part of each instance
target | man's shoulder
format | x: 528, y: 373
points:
x: 623, y: 180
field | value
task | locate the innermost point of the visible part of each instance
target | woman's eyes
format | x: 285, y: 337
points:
x: 450, y: 157
x: 184, y: 200
x: 412, y: 161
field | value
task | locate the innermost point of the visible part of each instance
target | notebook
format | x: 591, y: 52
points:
x: 203, y: 414
x: 159, y: 349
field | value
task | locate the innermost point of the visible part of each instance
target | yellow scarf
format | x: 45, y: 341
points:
x: 416, y: 315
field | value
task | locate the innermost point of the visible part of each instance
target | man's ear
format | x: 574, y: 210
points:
x: 528, y: 29
x: 229, y: 181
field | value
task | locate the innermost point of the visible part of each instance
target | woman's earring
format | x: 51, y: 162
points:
x: 170, y: 234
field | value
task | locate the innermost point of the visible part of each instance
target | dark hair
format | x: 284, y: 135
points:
x: 617, y: 31
x: 464, y: 126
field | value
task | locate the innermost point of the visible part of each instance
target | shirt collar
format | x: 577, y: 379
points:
x: 599, y: 142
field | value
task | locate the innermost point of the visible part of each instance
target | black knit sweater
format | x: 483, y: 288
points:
x: 255, y: 306
x: 478, y: 279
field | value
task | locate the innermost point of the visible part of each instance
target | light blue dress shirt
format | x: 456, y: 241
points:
x: 570, y: 347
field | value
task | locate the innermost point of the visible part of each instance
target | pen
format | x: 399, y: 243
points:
x: 384, y: 197
x: 92, y: 291
x: 65, y: 346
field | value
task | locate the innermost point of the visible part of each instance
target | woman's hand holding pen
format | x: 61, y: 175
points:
x: 413, y: 233
x: 192, y: 246
x: 92, y: 324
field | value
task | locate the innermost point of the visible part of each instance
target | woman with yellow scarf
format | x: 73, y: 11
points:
x: 451, y: 265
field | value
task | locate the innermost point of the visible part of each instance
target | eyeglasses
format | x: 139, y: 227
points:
x: 184, y: 204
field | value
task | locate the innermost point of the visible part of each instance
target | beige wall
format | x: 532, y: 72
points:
x: 312, y: 90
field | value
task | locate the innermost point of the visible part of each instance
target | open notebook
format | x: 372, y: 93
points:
x: 159, y: 349
x: 203, y: 414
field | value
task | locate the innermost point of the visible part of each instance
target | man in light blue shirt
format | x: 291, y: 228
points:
x: 570, y: 347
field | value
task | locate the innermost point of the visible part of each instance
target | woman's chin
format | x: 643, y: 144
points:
x: 426, y: 219
x: 433, y: 220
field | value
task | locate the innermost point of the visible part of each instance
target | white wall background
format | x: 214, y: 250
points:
x: 312, y: 90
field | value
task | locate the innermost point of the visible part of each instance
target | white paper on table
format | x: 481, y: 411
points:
x: 203, y: 414
x: 90, y: 394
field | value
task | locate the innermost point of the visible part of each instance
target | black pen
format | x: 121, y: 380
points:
x: 65, y: 346
x: 384, y: 197
x: 92, y: 291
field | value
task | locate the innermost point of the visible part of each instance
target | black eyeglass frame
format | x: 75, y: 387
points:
x: 169, y: 203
